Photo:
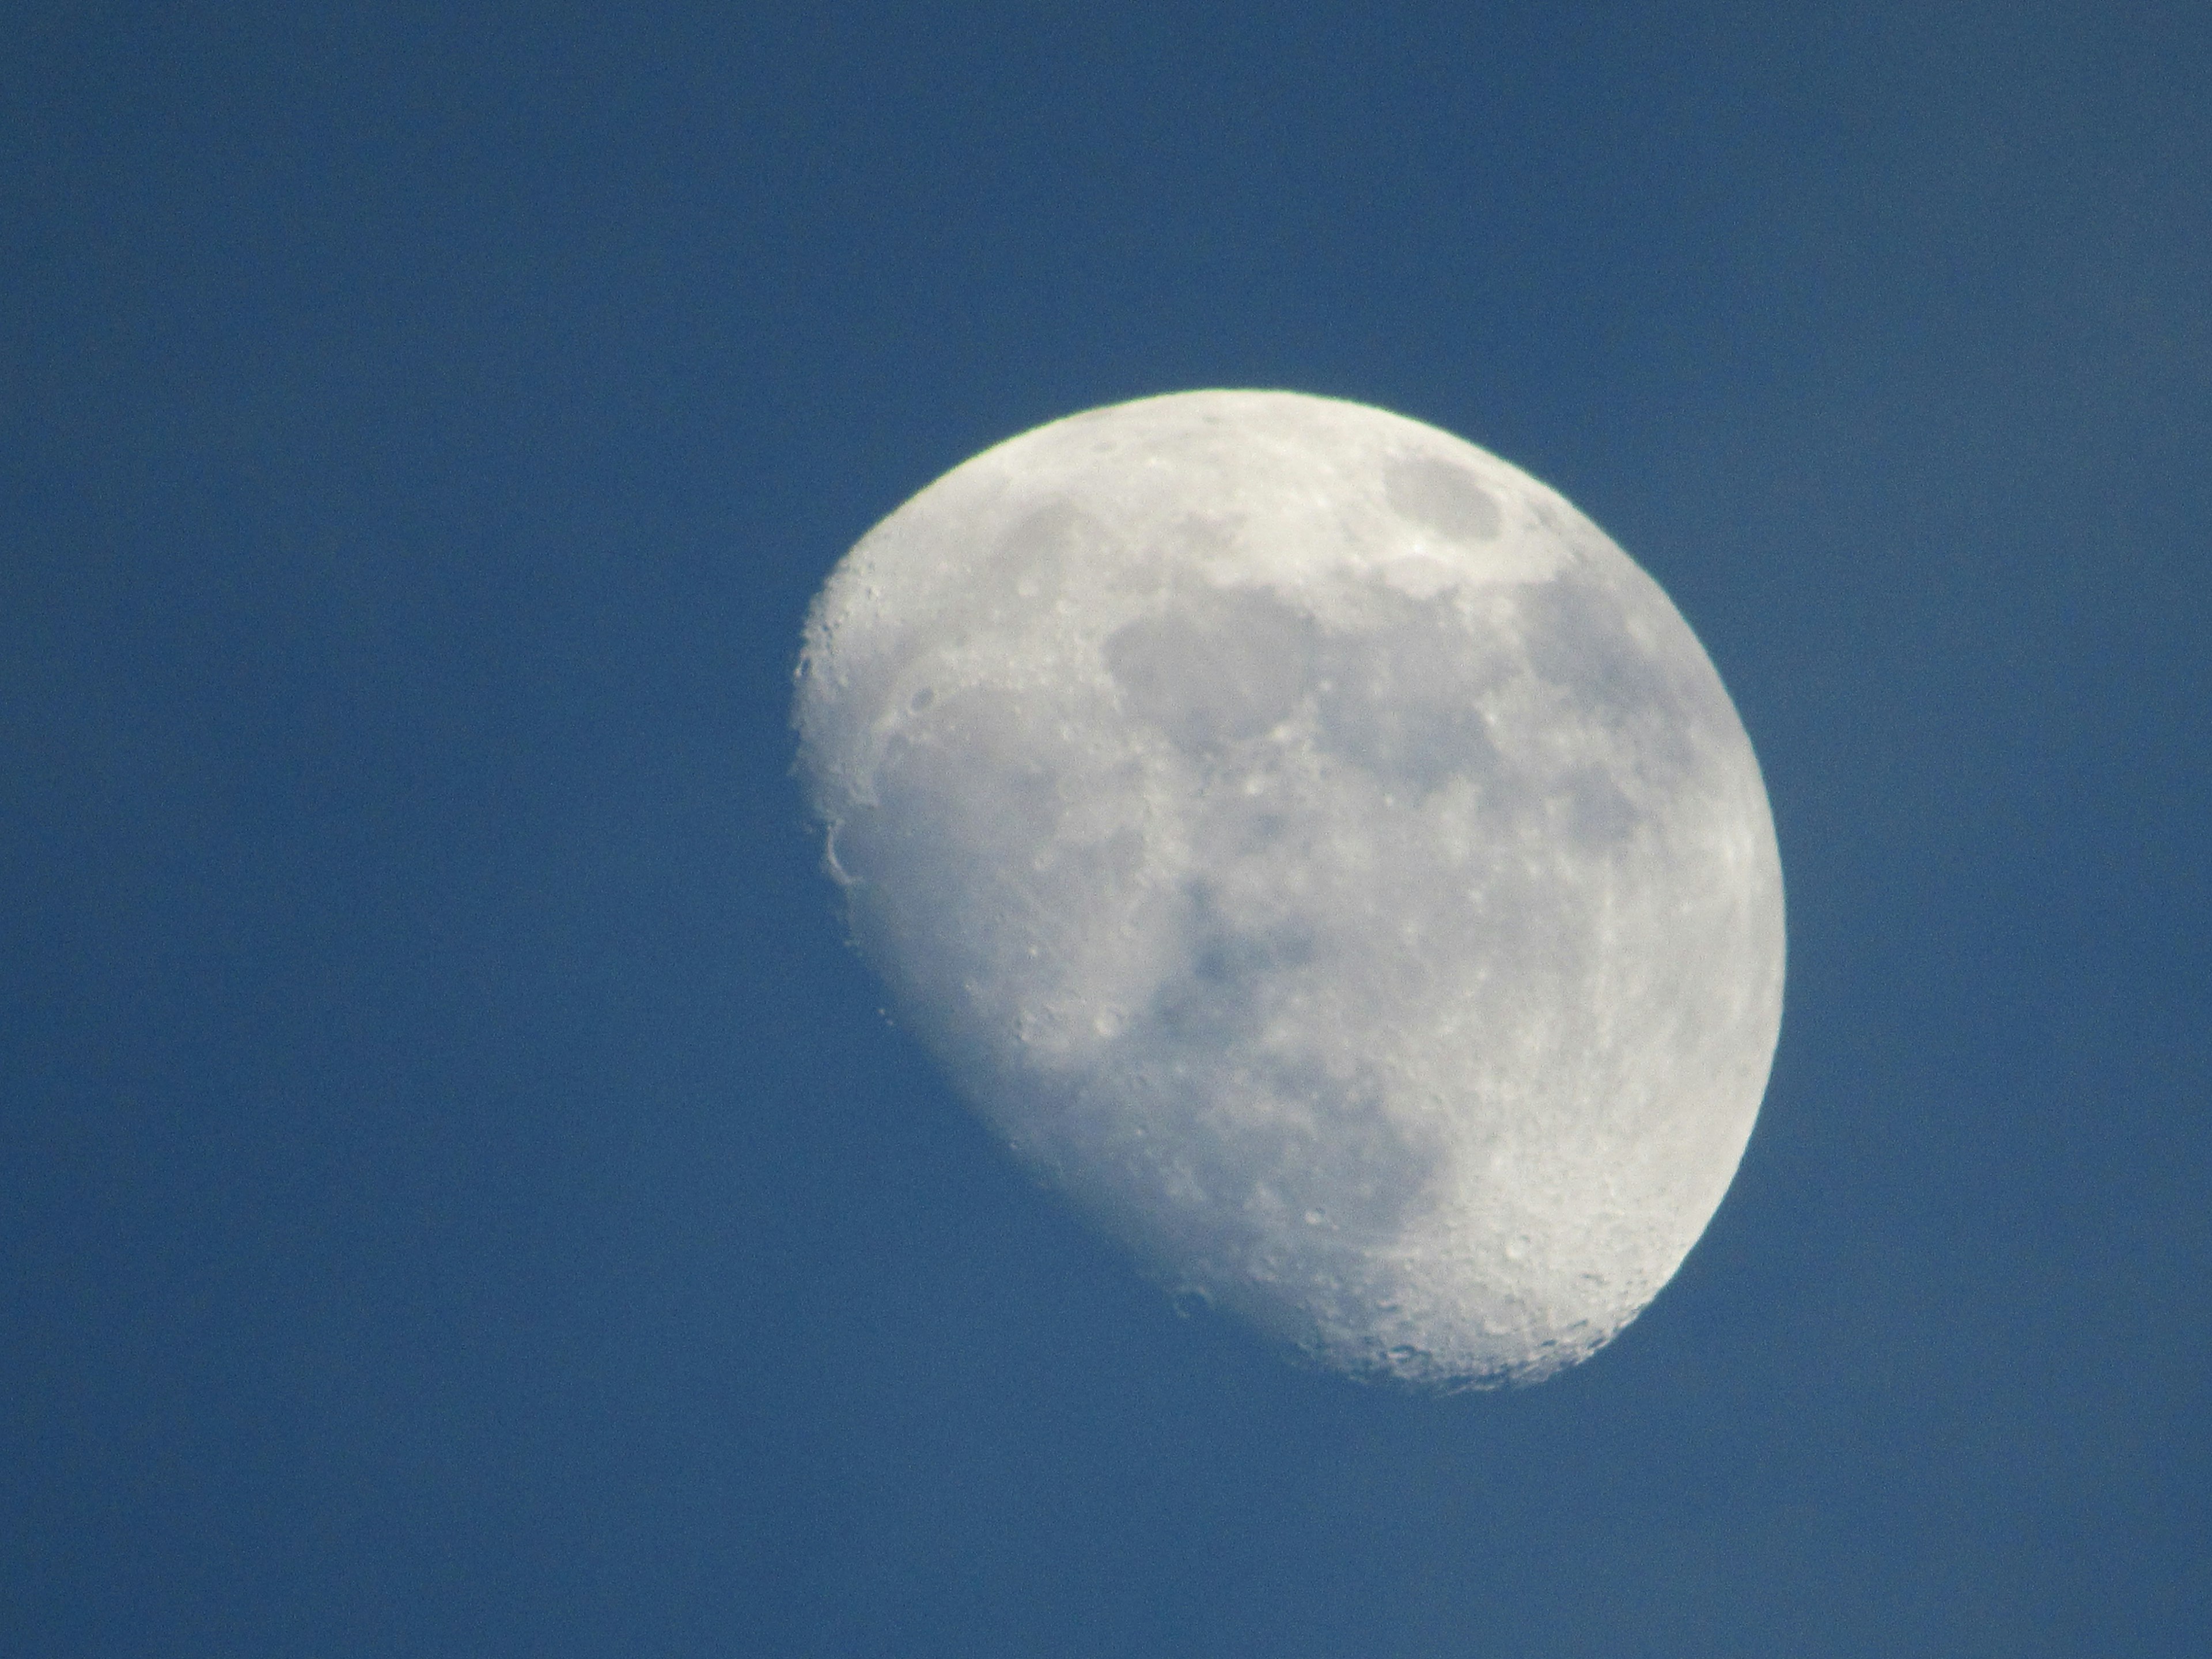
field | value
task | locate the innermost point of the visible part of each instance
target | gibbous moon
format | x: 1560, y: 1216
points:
x: 1315, y: 847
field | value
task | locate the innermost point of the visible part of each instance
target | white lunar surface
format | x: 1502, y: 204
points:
x: 1313, y: 845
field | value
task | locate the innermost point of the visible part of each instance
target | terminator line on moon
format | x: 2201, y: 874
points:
x: 1315, y: 847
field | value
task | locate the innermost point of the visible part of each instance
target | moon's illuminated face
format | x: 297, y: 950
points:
x: 1318, y: 848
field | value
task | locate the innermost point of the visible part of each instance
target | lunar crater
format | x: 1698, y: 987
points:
x: 1443, y: 496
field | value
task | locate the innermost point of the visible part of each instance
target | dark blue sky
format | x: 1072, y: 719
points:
x: 456, y: 1194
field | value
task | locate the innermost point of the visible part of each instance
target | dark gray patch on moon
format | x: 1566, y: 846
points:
x: 1446, y: 498
x: 1577, y: 638
x: 1038, y: 542
x: 1219, y: 997
x: 1219, y: 668
x: 1597, y: 815
x: 1404, y: 700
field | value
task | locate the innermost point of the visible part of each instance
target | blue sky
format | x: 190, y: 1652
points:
x: 460, y: 1196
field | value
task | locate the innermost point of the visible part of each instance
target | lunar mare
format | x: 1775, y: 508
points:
x: 1312, y: 844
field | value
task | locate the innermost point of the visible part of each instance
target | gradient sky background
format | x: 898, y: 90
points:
x: 456, y: 1194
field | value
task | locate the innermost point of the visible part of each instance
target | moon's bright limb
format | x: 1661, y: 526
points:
x: 1318, y: 848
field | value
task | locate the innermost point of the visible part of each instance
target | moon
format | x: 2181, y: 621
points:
x: 1316, y: 848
